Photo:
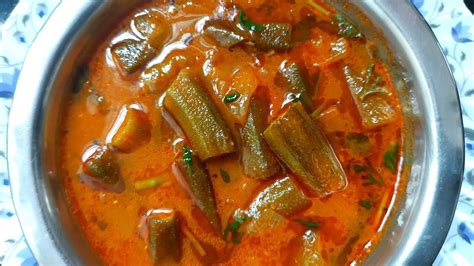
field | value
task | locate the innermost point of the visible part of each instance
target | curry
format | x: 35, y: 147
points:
x: 262, y: 132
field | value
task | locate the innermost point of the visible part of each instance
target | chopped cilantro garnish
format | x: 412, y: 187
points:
x: 188, y: 158
x: 358, y: 168
x: 308, y: 224
x: 231, y: 97
x: 390, y: 158
x: 359, y: 143
x: 374, y: 181
x: 225, y: 175
x: 233, y: 228
x: 366, y: 204
x: 346, y: 29
x: 369, y: 73
x: 240, y: 219
x: 248, y: 24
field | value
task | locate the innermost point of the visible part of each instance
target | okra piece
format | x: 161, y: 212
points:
x: 267, y: 220
x: 132, y: 54
x: 193, y: 176
x: 304, y: 148
x: 373, y: 109
x: 100, y: 169
x: 306, y: 250
x: 134, y: 131
x: 257, y: 158
x: 203, y: 125
x: 224, y: 36
x: 273, y: 36
x: 295, y: 82
x: 153, y: 27
x: 163, y: 237
x: 282, y: 196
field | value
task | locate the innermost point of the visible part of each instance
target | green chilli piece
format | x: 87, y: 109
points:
x: 150, y: 183
x: 274, y: 36
x: 132, y: 54
x: 203, y: 125
x: 293, y: 76
x: 304, y: 148
x: 163, y: 237
x: 282, y: 196
x: 199, y: 187
x: 257, y: 158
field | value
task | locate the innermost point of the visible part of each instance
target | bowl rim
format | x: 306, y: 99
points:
x: 24, y: 143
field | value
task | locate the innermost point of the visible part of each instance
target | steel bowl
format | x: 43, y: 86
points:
x: 420, y: 221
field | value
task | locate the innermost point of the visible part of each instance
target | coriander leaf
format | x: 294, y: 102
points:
x: 359, y: 143
x: 227, y: 230
x: 371, y: 83
x: 390, y: 158
x: 374, y: 181
x: 346, y: 29
x: 308, y: 224
x: 231, y: 97
x: 369, y: 73
x: 225, y: 175
x: 188, y: 158
x: 234, y: 225
x: 236, y: 240
x: 233, y: 228
x: 358, y: 168
x: 240, y: 219
x: 248, y: 24
x: 366, y: 204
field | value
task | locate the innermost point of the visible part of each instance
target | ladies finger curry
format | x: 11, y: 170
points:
x: 234, y: 133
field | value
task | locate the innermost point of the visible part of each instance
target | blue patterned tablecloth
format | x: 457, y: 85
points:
x: 450, y: 20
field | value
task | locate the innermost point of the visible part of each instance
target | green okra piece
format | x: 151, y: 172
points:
x: 307, y: 250
x: 163, y: 237
x: 273, y: 36
x: 153, y: 27
x: 304, y: 148
x: 198, y: 116
x: 373, y: 108
x: 195, y: 180
x: 100, y: 169
x: 257, y: 158
x: 224, y: 36
x: 296, y: 83
x: 132, y: 54
x: 282, y: 196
